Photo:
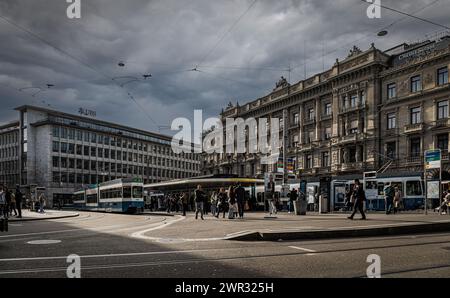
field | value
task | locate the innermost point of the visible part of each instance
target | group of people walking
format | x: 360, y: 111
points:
x: 10, y: 202
x: 232, y: 201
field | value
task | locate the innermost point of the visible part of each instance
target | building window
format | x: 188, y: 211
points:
x: 295, y: 141
x: 56, y: 132
x: 442, y: 109
x: 63, y: 147
x: 310, y: 137
x: 79, y: 135
x: 442, y: 76
x: 353, y: 101
x: 311, y: 114
x: 414, y: 149
x: 93, y: 151
x: 71, y: 134
x: 391, y: 121
x: 79, y: 149
x: 416, y: 84
x: 86, y: 151
x: 63, y: 132
x: 309, y: 161
x: 296, y: 119
x: 328, y: 109
x: 55, y: 146
x: 353, y: 127
x: 328, y: 133
x: 442, y: 142
x: 391, y: 90
x: 345, y: 101
x: 71, y: 149
x: 416, y: 116
x: 325, y: 159
x: 55, y: 161
x: 391, y: 150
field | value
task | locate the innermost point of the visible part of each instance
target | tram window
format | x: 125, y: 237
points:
x: 371, y: 185
x: 127, y: 192
x: 413, y: 188
x: 380, y: 188
x: 137, y: 192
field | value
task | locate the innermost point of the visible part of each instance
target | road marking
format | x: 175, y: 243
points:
x: 43, y: 242
x: 302, y: 248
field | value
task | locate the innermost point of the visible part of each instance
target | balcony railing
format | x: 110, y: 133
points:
x: 441, y: 123
x: 351, y: 108
x: 414, y: 159
x: 309, y: 121
x: 413, y: 128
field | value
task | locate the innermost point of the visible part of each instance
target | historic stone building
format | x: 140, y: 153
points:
x: 414, y: 115
x: 373, y: 111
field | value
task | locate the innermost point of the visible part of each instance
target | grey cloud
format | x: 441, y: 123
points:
x: 166, y: 38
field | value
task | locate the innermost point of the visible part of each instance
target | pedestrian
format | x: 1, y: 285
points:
x: 398, y: 199
x: 168, y: 204
x: 359, y: 196
x: 2, y: 202
x: 231, y: 203
x: 240, y: 200
x: 184, y: 202
x: 7, y: 202
x: 214, y: 203
x: 199, y: 201
x: 42, y: 200
x: 19, y: 197
x: 348, y: 199
x: 389, y: 197
x: 13, y: 205
x: 271, y: 194
x: 293, y: 196
x: 222, y: 202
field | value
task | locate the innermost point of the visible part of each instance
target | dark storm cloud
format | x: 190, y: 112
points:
x: 167, y: 38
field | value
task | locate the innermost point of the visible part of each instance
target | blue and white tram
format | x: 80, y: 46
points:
x: 120, y: 195
x: 412, y: 189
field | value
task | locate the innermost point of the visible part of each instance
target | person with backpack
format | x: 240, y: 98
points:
x: 359, y: 196
x: 389, y: 193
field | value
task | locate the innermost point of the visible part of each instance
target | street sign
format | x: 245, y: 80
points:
x: 432, y: 159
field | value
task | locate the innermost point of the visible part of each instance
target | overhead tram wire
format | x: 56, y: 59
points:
x: 76, y: 59
x: 225, y: 34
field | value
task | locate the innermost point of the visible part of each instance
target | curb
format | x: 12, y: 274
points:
x: 44, y: 218
x: 343, y: 233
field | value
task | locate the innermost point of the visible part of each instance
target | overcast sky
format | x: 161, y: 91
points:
x: 166, y: 38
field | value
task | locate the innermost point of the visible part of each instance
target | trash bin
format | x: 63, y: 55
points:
x: 300, y: 207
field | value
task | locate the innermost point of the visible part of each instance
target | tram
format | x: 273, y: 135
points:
x: 120, y: 196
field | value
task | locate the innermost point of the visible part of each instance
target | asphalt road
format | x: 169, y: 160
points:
x: 109, y: 246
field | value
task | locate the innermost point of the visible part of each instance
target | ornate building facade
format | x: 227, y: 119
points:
x: 373, y: 111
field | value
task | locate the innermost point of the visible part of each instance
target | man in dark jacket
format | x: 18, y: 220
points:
x: 19, y: 201
x: 293, y: 196
x: 360, y: 197
x: 199, y: 201
x: 240, y: 199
